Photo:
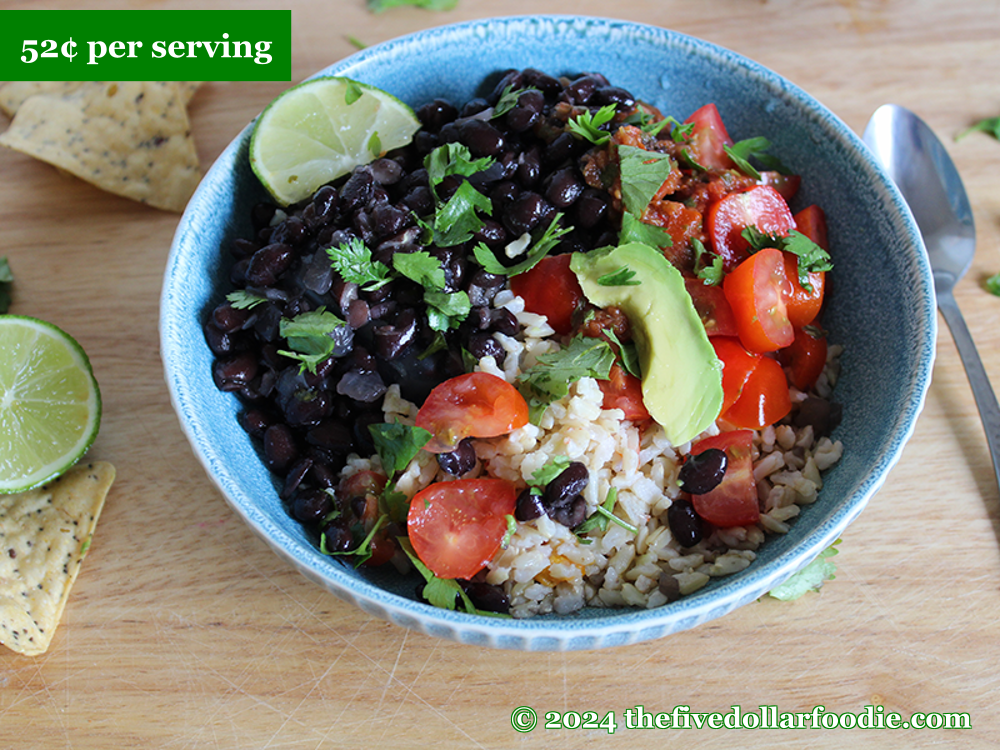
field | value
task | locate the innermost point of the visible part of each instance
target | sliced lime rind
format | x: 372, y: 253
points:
x: 50, y: 403
x: 310, y: 135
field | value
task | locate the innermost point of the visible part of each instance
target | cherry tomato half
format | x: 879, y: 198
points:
x: 803, y: 305
x: 805, y: 358
x: 552, y: 290
x: 708, y: 138
x: 737, y: 364
x: 764, y: 400
x: 476, y: 404
x: 786, y: 184
x: 456, y: 527
x: 757, y: 291
x: 623, y: 390
x: 734, y: 501
x: 761, y: 206
x: 712, y: 307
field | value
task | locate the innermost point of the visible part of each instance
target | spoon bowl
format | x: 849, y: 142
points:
x: 926, y: 176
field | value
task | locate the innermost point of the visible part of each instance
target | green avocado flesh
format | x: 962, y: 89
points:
x: 681, y: 376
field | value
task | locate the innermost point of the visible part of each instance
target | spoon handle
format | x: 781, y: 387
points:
x: 986, y: 400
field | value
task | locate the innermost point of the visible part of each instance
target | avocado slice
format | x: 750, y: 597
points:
x: 681, y: 376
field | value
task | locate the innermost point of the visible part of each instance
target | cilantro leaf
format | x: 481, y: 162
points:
x: 990, y: 125
x: 377, y: 6
x: 598, y: 520
x: 623, y: 276
x: 457, y: 220
x: 452, y: 159
x: 241, y: 299
x: 642, y: 174
x: 309, y: 337
x: 550, y: 378
x: 810, y: 578
x: 552, y: 469
x: 396, y: 503
x: 6, y: 279
x: 508, y: 100
x: 541, y: 247
x: 811, y: 257
x: 587, y: 125
x: 992, y: 285
x: 628, y: 354
x: 421, y: 267
x: 712, y: 275
x: 353, y: 261
x: 446, y: 310
x: 511, y: 530
x: 397, y: 444
x: 440, y: 592
x: 635, y: 230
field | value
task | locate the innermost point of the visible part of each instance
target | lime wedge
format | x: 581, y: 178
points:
x: 321, y: 130
x: 50, y: 405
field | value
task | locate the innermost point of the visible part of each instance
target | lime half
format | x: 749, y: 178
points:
x: 50, y: 405
x: 321, y: 130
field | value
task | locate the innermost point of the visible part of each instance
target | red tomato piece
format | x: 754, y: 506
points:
x: 786, y: 184
x: 708, y: 138
x: 550, y: 289
x: 623, y: 390
x: 761, y: 206
x: 737, y: 364
x: 757, y: 291
x: 803, y: 305
x: 764, y: 400
x: 805, y: 358
x: 811, y: 221
x: 456, y: 527
x: 476, y: 404
x: 712, y: 307
x: 734, y: 501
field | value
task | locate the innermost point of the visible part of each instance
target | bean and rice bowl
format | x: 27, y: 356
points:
x: 312, y: 423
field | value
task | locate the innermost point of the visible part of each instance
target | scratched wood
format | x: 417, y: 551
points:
x: 184, y: 631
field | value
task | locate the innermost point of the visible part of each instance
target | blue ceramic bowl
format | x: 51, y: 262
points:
x: 886, y: 320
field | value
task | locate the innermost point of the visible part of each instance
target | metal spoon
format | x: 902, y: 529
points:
x: 925, y: 175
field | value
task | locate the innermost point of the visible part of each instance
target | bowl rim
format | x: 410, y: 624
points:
x: 618, y: 627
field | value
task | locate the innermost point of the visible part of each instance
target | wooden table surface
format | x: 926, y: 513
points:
x: 185, y: 631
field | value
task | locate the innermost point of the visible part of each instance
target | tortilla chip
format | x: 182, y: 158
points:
x: 44, y: 535
x: 131, y: 138
x: 13, y: 93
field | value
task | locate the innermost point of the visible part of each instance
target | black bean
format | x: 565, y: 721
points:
x: 362, y: 435
x: 365, y: 387
x: 542, y: 81
x: 221, y: 343
x: 570, y: 482
x: 268, y: 263
x: 280, y: 450
x: 323, y: 476
x: 621, y: 98
x: 318, y: 274
x: 486, y: 596
x: 337, y: 537
x: 436, y: 113
x: 482, y: 138
x: 823, y: 415
x: 357, y: 313
x: 590, y: 208
x: 325, y: 202
x: 529, y: 166
x: 261, y: 215
x: 492, y: 234
x: 669, y: 586
x: 583, y: 88
x: 564, y: 147
x: 529, y: 505
x: 332, y: 435
x: 242, y: 248
x: 483, y: 287
x: 459, y: 461
x: 684, y: 523
x: 473, y: 107
x: 484, y: 345
x: 357, y: 191
x: 388, y: 220
x: 294, y: 477
x: 307, y: 407
x: 563, y: 187
x: 386, y: 171
x: 234, y: 372
x: 312, y: 506
x: 292, y: 231
x: 526, y: 112
x: 504, y: 321
x: 571, y: 514
x: 392, y: 340
x: 419, y: 200
x: 703, y: 472
x: 512, y: 79
x: 255, y: 421
x: 525, y: 213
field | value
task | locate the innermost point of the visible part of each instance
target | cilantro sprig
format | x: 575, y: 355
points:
x: 243, y: 299
x: 991, y: 126
x: 445, y: 593
x: 353, y: 261
x: 603, y: 515
x: 754, y: 148
x: 549, y: 380
x: 587, y: 125
x: 546, y: 241
x: 309, y: 337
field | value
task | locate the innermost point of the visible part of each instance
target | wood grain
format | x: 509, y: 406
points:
x: 185, y: 631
